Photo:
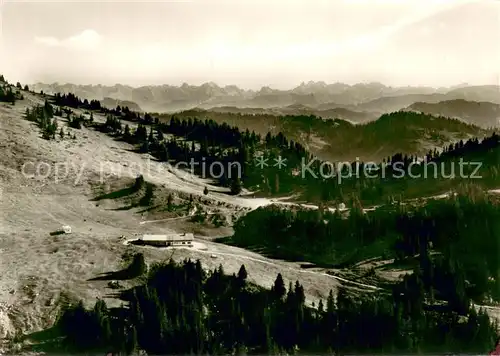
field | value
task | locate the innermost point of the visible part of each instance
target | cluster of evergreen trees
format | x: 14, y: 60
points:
x: 20, y: 87
x: 470, y: 147
x: 7, y: 94
x: 71, y: 100
x: 76, y: 122
x: 43, y: 115
x: 183, y: 310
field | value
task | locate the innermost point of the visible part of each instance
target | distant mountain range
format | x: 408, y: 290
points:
x: 356, y: 103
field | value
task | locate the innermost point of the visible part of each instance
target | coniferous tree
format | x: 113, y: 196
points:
x: 170, y: 200
x: 147, y: 199
x: 126, y: 134
x: 137, y: 267
x: 242, y: 273
x: 279, y: 289
x: 236, y: 186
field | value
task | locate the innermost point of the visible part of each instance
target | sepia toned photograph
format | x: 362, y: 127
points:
x: 235, y: 177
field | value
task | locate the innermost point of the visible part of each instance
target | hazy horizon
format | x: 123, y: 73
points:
x: 252, y: 44
x: 253, y: 88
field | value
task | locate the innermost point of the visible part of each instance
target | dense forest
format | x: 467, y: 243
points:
x: 463, y: 229
x: 181, y: 309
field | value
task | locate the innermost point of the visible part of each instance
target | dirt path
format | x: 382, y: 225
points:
x: 163, y: 220
x: 240, y: 253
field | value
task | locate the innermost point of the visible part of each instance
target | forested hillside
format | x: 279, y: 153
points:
x: 340, y: 140
x: 483, y: 114
x: 463, y: 229
x: 182, y: 310
x: 400, y: 176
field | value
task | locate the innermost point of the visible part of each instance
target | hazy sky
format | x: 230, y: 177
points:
x: 252, y: 43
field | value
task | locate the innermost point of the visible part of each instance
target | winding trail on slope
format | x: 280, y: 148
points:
x: 163, y: 220
x: 301, y: 270
x: 269, y: 261
x: 363, y: 285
